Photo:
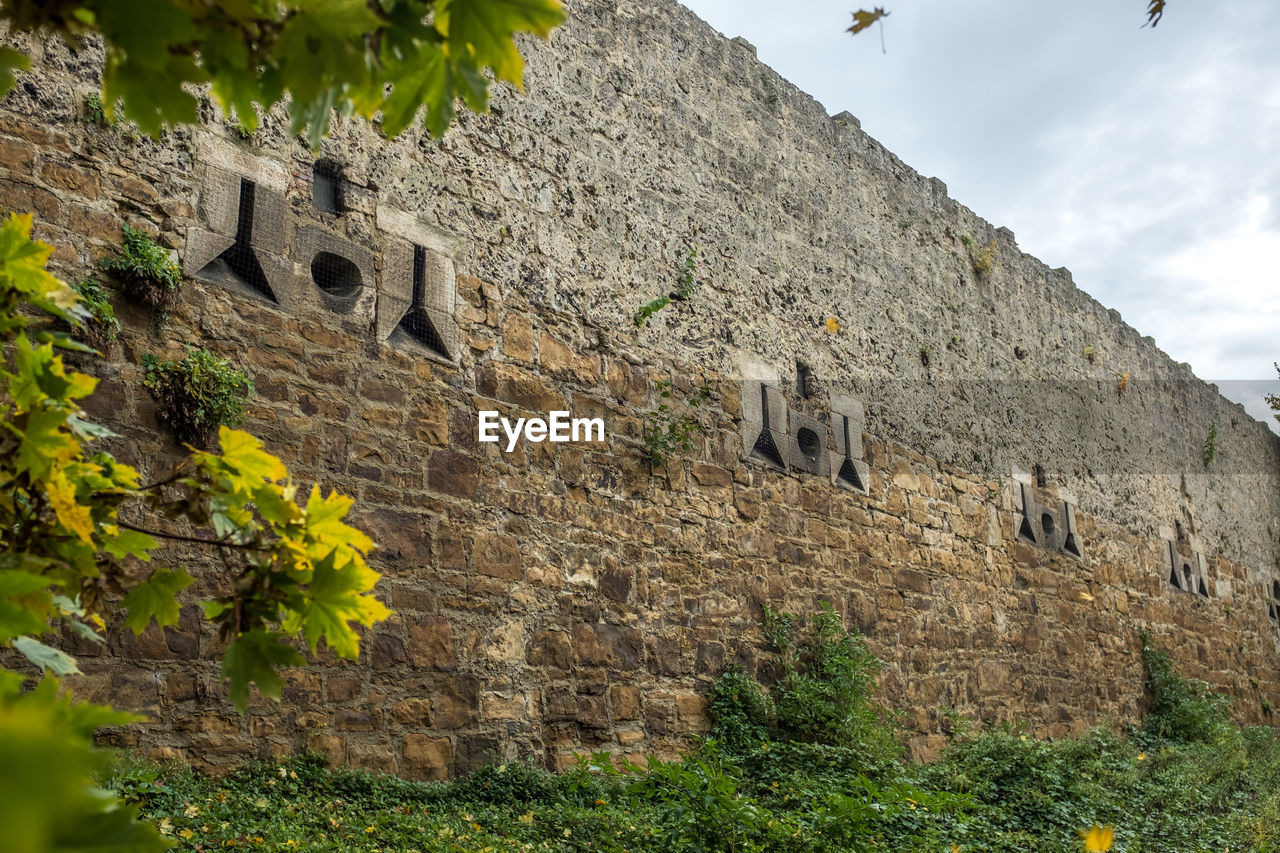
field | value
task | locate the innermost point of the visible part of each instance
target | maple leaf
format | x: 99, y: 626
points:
x: 157, y: 596
x: 252, y: 658
x: 480, y: 34
x: 833, y: 325
x: 1155, y: 11
x: 1098, y: 839
x: 863, y: 19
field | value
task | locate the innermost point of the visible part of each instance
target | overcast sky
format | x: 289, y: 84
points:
x: 1144, y: 160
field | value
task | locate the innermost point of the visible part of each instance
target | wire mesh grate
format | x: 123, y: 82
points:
x: 849, y: 474
x: 766, y: 448
x: 417, y: 323
x: 240, y: 259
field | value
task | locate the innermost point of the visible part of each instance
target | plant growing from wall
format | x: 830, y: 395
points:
x: 101, y: 326
x: 823, y: 681
x: 145, y: 269
x: 67, y: 556
x: 1210, y: 449
x: 1273, y: 400
x: 666, y: 433
x: 1180, y: 709
x: 688, y: 284
x: 198, y: 394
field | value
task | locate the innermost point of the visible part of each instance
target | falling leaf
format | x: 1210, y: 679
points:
x: 1122, y: 382
x: 1084, y: 596
x: 1098, y: 839
x: 833, y: 325
x: 1155, y: 11
x: 863, y: 19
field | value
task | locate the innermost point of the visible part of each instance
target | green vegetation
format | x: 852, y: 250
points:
x: 198, y: 394
x: 298, y: 568
x: 101, y: 326
x: 1210, y: 450
x: 688, y: 284
x: 350, y: 56
x: 93, y: 113
x: 809, y: 764
x: 146, y: 270
x: 1273, y: 400
x: 664, y: 432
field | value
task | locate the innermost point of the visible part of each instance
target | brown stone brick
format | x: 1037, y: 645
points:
x: 431, y: 644
x: 553, y: 356
x: 378, y: 757
x: 84, y: 184
x: 427, y: 758
x: 551, y: 649
x: 139, y: 190
x: 22, y: 198
x: 517, y: 338
x: 456, y: 703
x: 330, y: 746
x: 712, y: 475
x: 591, y: 712
x: 453, y: 473
x: 909, y: 579
x: 414, y: 712
x: 607, y: 645
x: 19, y: 157
x: 625, y: 700
x: 496, y: 555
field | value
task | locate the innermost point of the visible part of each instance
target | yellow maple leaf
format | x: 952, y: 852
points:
x: 833, y: 325
x: 863, y: 19
x: 1098, y: 839
x: 71, y: 513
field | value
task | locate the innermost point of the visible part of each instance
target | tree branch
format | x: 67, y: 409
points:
x: 178, y: 537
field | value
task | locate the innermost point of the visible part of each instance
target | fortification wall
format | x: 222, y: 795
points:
x: 1007, y: 521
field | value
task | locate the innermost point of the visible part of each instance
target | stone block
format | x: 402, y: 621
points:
x: 330, y: 273
x: 426, y: 758
x: 496, y: 555
x: 431, y: 644
x: 377, y: 757
x: 807, y: 445
x: 848, y: 420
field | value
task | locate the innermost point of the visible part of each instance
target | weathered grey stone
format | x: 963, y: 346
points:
x: 351, y: 298
x: 807, y: 445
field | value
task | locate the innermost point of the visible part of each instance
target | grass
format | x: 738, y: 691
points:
x: 1187, y: 780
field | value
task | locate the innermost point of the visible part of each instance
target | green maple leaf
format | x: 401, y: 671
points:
x: 9, y: 60
x: 251, y: 659
x: 482, y: 31
x: 337, y: 599
x: 54, y: 660
x: 22, y: 267
x: 156, y: 597
x: 420, y: 78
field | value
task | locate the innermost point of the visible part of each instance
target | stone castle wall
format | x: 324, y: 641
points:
x: 1006, y: 522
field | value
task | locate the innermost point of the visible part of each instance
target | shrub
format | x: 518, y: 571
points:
x: 1183, y: 710
x: 822, y: 694
x: 146, y: 270
x: 197, y: 394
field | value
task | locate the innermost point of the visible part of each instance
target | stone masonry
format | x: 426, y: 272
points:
x: 988, y: 473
